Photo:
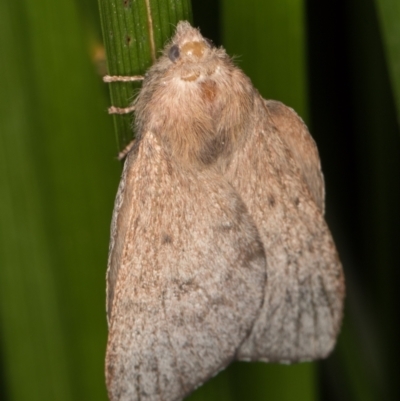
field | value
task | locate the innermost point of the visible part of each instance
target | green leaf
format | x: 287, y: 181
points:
x: 389, y: 19
x: 58, y: 179
x: 374, y: 55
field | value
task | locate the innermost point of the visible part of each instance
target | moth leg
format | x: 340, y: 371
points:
x: 126, y: 150
x: 122, y: 78
x: 121, y: 110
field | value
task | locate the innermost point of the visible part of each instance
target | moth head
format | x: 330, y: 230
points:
x: 193, y: 56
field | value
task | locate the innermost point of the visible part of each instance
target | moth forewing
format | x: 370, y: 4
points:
x: 187, y: 282
x: 303, y: 303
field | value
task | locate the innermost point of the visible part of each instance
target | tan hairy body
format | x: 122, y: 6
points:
x: 219, y: 249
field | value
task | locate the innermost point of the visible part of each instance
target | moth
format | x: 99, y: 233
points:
x: 219, y: 249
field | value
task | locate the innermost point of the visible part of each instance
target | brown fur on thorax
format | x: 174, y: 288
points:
x: 199, y: 110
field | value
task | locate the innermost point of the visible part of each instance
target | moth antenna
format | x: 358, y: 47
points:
x: 121, y: 78
x: 121, y: 110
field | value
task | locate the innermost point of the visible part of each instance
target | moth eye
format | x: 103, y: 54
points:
x: 210, y: 43
x: 174, y: 53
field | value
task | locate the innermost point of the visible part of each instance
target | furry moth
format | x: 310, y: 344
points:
x: 219, y: 250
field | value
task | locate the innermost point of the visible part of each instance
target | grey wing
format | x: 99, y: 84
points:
x: 119, y: 227
x: 187, y: 278
x: 292, y: 130
x: 303, y: 303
